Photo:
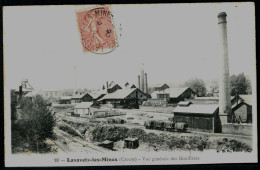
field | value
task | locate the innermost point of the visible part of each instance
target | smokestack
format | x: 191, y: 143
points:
x: 139, y: 85
x: 142, y: 77
x: 224, y: 82
x: 20, y: 92
x: 146, y: 83
x: 75, y: 78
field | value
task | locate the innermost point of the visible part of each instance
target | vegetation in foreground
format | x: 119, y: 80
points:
x: 166, y: 142
x: 32, y: 124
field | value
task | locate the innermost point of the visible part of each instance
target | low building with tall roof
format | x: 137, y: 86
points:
x: 199, y: 117
x: 174, y: 95
x: 126, y: 96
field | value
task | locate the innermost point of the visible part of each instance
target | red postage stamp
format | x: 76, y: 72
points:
x: 97, y: 30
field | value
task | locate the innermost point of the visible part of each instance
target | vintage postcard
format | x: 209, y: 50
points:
x: 136, y: 84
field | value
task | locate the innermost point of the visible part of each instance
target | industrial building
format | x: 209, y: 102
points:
x: 65, y: 99
x: 161, y: 87
x: 226, y: 110
x: 123, y: 97
x: 113, y: 87
x: 198, y: 117
x: 242, y: 108
x: 81, y: 97
x: 174, y: 95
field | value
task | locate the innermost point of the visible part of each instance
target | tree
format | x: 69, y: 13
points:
x: 36, y: 123
x: 214, y: 85
x: 239, y: 84
x: 197, y: 85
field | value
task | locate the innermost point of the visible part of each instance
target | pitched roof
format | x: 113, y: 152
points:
x: 113, y: 85
x: 96, y: 95
x: 130, y: 86
x: 174, y: 92
x: 160, y: 85
x: 246, y: 99
x: 119, y: 94
x: 79, y: 96
x: 83, y: 105
x: 197, y: 109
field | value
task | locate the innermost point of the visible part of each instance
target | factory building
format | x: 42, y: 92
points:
x: 174, y: 95
x: 124, y: 97
x: 217, y: 113
x: 199, y: 117
x: 161, y: 87
x: 81, y: 97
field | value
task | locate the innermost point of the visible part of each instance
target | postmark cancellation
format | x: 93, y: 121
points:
x: 96, y: 29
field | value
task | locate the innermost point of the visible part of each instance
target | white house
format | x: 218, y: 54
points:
x: 84, y: 109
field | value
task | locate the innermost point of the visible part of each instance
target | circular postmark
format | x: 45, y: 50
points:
x: 97, y: 30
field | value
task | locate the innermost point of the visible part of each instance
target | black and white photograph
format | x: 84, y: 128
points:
x: 134, y: 84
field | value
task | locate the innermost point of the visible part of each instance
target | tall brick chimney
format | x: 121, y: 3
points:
x: 139, y: 85
x: 20, y: 92
x: 224, y: 82
x: 142, y: 78
x: 145, y: 83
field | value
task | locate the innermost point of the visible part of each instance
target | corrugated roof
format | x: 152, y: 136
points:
x: 197, y: 108
x: 83, y: 105
x: 119, y: 94
x: 246, y: 99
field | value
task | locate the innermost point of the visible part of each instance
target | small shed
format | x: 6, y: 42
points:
x: 131, y: 143
x: 242, y: 109
x: 83, y: 109
x: 199, y: 117
x: 107, y: 144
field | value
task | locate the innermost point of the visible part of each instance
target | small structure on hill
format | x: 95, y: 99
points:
x: 131, y: 143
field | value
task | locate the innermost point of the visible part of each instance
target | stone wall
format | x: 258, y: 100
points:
x: 238, y: 129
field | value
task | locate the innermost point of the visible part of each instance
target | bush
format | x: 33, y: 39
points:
x: 112, y: 133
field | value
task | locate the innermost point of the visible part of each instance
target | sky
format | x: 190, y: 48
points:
x: 174, y: 41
